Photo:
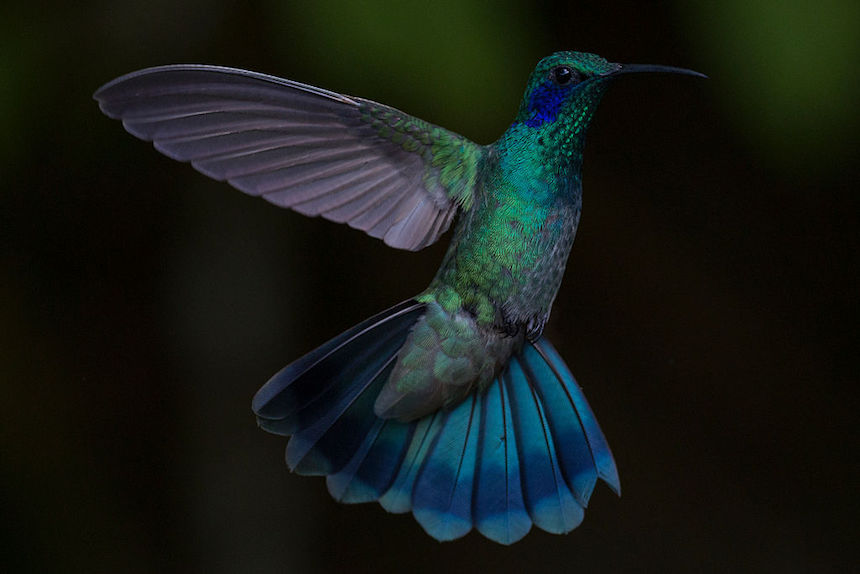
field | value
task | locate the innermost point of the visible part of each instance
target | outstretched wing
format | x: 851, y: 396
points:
x: 347, y: 159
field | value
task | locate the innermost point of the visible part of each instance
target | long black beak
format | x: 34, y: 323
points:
x: 636, y: 68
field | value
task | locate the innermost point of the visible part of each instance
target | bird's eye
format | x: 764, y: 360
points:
x: 562, y: 75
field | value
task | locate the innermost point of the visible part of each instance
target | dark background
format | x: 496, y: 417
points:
x: 709, y: 308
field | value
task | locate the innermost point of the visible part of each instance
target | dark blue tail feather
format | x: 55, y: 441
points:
x: 549, y: 501
x: 500, y: 511
x: 601, y: 454
x: 375, y: 465
x: 330, y: 368
x: 326, y: 446
x: 398, y: 497
x: 442, y: 497
x: 575, y: 460
x: 526, y: 450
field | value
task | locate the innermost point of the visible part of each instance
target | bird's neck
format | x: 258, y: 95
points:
x: 548, y: 157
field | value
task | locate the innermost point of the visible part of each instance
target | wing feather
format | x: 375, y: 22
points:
x: 303, y: 147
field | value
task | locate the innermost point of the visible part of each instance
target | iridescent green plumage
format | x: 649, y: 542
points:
x: 508, y: 255
x: 450, y: 405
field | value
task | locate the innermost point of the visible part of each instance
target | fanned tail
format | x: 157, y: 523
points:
x: 525, y: 450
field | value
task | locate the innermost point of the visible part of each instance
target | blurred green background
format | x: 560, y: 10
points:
x: 709, y: 309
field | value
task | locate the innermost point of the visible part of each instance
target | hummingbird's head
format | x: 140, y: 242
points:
x: 569, y: 85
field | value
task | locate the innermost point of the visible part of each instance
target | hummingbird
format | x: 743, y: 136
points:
x: 451, y: 405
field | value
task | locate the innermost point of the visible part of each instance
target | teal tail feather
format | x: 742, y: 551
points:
x: 526, y: 450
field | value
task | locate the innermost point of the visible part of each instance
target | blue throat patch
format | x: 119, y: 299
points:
x: 545, y: 103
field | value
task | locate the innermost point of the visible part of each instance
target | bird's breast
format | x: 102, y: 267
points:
x: 508, y: 256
